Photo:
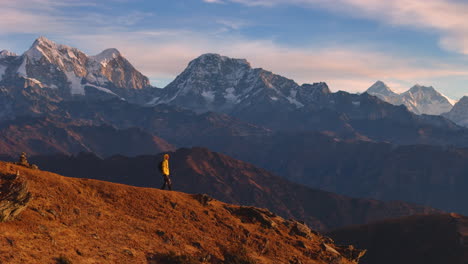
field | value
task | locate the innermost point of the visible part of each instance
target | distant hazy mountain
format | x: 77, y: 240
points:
x: 419, y: 99
x: 459, y: 112
x: 381, y: 90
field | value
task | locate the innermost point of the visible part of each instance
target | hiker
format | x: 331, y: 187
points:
x: 164, y: 168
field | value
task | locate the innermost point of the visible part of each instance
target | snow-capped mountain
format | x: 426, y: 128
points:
x: 381, y: 90
x: 459, y: 112
x: 6, y: 53
x: 419, y: 99
x: 71, y: 72
x: 213, y: 82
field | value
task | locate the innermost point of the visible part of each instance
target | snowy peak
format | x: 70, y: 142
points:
x: 51, y: 65
x: 213, y: 59
x: 6, y: 53
x: 417, y: 88
x: 419, y: 99
x: 380, y: 88
x: 44, y: 41
x: 57, y: 54
x: 213, y: 82
x: 105, y: 56
x: 426, y: 94
x: 214, y: 64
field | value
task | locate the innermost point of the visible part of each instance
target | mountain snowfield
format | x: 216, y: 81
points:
x: 419, y: 99
x: 50, y: 65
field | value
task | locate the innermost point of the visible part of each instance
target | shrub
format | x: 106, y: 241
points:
x: 63, y: 260
x: 237, y: 256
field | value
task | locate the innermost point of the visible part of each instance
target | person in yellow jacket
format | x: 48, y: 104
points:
x: 164, y: 168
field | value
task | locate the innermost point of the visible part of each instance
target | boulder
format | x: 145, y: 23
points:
x: 14, y: 196
x: 300, y: 229
x: 250, y: 214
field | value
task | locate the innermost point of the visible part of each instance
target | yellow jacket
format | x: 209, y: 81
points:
x: 165, y: 167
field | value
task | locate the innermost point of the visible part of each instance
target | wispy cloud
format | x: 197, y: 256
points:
x: 162, y: 53
x: 446, y: 17
x: 214, y: 1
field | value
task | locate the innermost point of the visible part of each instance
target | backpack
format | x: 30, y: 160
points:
x: 160, y: 166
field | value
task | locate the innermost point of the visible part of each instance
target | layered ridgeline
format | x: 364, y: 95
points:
x: 429, y: 175
x: 42, y: 135
x: 419, y: 99
x: 87, y: 221
x: 199, y: 170
x: 216, y: 83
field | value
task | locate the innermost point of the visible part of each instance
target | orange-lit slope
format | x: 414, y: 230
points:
x: 89, y: 221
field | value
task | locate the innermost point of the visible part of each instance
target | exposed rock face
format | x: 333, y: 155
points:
x: 300, y: 229
x: 419, y: 99
x: 14, y: 195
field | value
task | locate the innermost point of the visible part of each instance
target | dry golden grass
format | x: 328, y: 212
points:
x: 90, y: 221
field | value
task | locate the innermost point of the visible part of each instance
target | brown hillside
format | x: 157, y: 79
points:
x: 199, y: 170
x: 90, y: 221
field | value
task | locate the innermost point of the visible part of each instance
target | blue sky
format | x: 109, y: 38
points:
x: 347, y: 43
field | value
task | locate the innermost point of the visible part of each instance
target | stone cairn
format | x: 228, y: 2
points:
x: 23, y: 161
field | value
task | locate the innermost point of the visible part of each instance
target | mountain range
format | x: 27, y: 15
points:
x: 418, y: 99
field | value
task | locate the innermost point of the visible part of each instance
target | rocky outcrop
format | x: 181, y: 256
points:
x: 251, y: 214
x: 14, y: 195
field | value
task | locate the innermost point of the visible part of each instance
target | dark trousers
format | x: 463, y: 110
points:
x: 167, y: 181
